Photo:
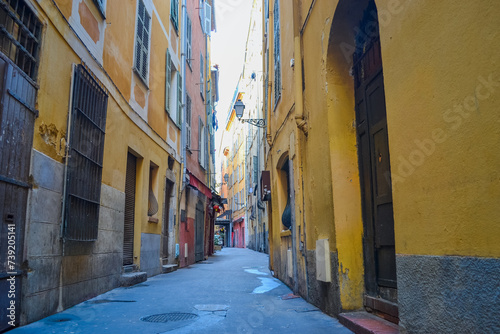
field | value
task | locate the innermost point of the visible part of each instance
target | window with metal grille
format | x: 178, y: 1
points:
x: 277, y: 53
x: 188, y: 121
x: 174, y: 13
x: 84, y: 165
x: 20, y: 33
x: 142, y: 41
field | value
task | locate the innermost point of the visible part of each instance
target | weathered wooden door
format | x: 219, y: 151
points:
x: 17, y: 118
x: 375, y: 170
x: 128, y: 225
x: 199, y: 222
x: 165, y: 230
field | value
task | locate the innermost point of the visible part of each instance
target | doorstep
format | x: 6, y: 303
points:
x: 367, y: 323
x: 168, y: 268
x: 129, y: 279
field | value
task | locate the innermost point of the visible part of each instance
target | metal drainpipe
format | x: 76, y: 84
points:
x: 183, y: 71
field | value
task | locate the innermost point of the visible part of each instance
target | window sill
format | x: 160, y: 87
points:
x: 153, y: 220
x: 286, y: 233
x: 144, y: 81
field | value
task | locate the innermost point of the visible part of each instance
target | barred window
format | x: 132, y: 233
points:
x: 20, y: 32
x: 277, y: 53
x: 142, y: 41
x: 86, y: 148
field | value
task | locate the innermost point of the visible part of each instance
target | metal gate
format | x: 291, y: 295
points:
x: 128, y: 224
x: 199, y: 222
x: 17, y: 117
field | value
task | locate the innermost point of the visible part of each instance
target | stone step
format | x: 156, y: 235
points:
x: 129, y: 268
x: 168, y: 268
x: 129, y: 279
x: 367, y: 323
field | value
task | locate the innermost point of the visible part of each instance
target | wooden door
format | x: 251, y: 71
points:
x: 165, y: 231
x: 375, y: 173
x: 17, y: 118
x: 129, y: 220
x: 199, y: 234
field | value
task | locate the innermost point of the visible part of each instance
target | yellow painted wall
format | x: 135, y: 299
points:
x: 124, y: 130
x: 447, y: 203
x: 119, y: 51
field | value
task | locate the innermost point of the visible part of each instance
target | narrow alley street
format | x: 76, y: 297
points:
x: 231, y: 292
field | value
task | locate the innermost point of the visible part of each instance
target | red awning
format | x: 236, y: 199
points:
x: 199, y: 185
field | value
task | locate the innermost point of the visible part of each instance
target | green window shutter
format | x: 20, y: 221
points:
x: 202, y: 77
x: 188, y: 41
x: 277, y: 53
x: 179, y: 98
x: 168, y: 77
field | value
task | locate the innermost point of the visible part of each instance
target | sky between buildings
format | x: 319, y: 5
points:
x: 228, y: 51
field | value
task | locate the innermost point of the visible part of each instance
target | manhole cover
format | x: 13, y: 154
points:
x: 170, y: 317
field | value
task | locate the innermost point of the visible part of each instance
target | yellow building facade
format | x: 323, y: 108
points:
x: 103, y: 113
x: 382, y: 135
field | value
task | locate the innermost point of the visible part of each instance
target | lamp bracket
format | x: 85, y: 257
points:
x: 260, y: 122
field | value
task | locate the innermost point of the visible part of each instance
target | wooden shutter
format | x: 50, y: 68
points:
x: 202, y: 77
x: 188, y: 41
x: 200, y: 127
x: 174, y: 13
x: 142, y: 41
x: 128, y: 231
x: 201, y: 12
x: 188, y: 121
x: 168, y: 77
x: 277, y: 53
x: 179, y: 98
x: 208, y: 18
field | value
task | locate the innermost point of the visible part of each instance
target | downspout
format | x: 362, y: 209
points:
x: 182, y: 185
x: 299, y: 97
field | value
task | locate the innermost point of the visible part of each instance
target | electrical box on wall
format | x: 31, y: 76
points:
x: 323, y: 264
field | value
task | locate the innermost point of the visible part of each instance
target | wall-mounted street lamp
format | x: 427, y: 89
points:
x: 239, y: 107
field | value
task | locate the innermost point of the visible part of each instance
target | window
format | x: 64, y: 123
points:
x: 277, y: 53
x: 101, y: 5
x: 174, y: 13
x: 86, y: 148
x: 255, y: 169
x: 20, y: 39
x: 201, y: 143
x: 142, y: 41
x: 173, y: 90
x: 202, y: 77
x: 188, y: 121
x: 153, y: 190
x: 188, y: 41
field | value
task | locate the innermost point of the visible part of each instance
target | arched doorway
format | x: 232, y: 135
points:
x: 356, y: 92
x: 374, y: 162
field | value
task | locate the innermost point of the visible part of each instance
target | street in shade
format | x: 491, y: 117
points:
x: 230, y: 292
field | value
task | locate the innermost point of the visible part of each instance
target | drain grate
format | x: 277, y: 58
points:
x: 170, y: 317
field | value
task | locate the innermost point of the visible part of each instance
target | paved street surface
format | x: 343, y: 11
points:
x: 231, y: 292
